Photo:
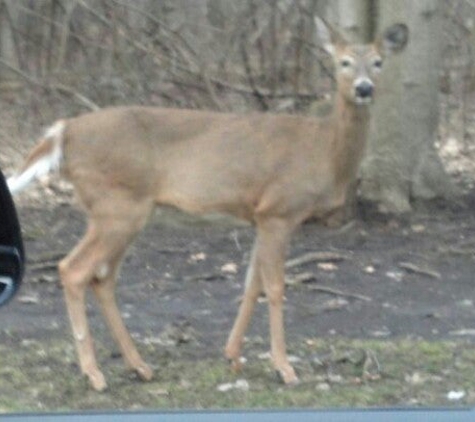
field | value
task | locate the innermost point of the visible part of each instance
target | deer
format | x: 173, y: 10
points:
x: 273, y: 170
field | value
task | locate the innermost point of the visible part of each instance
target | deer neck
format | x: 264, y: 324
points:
x: 351, y: 124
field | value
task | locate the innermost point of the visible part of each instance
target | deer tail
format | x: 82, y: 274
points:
x: 44, y: 158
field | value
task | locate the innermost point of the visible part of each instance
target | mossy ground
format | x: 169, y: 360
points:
x: 339, y: 373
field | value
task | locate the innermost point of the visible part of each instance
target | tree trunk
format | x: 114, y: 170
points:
x: 402, y: 163
x: 353, y: 18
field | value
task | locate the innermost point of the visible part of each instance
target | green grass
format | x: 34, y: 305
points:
x: 43, y: 376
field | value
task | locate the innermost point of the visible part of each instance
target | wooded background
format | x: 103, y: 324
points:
x: 62, y: 57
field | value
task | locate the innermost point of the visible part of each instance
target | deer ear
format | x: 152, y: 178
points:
x: 394, y: 39
x: 328, y: 36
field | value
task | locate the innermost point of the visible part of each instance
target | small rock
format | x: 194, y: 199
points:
x: 335, y: 378
x: 197, y: 257
x: 414, y: 379
x: 229, y: 268
x: 264, y: 356
x: 160, y: 392
x: 224, y: 388
x: 335, y: 304
x: 384, y: 333
x: 369, y: 269
x: 29, y: 343
x: 294, y: 359
x: 456, y: 395
x: 451, y: 148
x: 29, y: 299
x: 327, y: 266
x: 395, y: 275
x: 418, y: 228
x: 240, y: 385
x: 467, y: 303
x: 323, y: 386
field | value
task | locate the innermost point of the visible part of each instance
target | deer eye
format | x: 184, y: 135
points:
x: 346, y: 63
x: 378, y: 64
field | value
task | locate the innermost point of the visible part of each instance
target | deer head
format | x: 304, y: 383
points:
x: 357, y: 66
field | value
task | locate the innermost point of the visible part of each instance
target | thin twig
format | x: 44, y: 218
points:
x: 293, y: 280
x: 459, y: 251
x: 44, y: 266
x: 47, y: 257
x: 250, y: 77
x: 413, y: 268
x: 336, y: 292
x: 58, y: 86
x: 80, y: 97
x: 315, y: 257
x: 204, y: 277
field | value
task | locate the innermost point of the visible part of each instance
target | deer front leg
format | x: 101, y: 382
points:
x: 273, y: 238
x: 104, y: 289
x: 253, y: 288
x: 116, y: 234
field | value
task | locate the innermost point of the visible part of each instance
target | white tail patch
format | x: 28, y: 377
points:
x: 44, y: 164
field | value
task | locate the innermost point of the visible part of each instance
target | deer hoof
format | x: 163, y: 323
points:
x: 97, y: 381
x: 288, y: 376
x: 236, y: 365
x: 144, y: 372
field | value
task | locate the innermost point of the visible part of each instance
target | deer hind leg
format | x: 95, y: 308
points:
x: 76, y: 272
x: 253, y: 288
x: 101, y: 248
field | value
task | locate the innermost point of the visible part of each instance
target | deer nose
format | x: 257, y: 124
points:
x: 364, y: 89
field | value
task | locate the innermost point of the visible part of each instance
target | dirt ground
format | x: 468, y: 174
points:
x: 377, y: 277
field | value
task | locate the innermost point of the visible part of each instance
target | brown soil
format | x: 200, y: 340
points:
x: 407, y: 277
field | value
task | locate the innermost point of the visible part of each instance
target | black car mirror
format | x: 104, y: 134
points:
x: 12, y: 254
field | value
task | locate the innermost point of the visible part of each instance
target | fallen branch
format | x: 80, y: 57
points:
x: 293, y: 280
x: 413, y: 268
x: 315, y: 257
x: 172, y: 250
x: 44, y: 266
x: 204, y: 277
x: 47, y: 257
x: 336, y: 292
x: 45, y: 262
x: 458, y: 251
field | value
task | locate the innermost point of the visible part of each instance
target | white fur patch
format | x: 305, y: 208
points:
x: 44, y: 165
x: 37, y: 170
x: 56, y: 130
x: 80, y: 336
x: 102, y: 272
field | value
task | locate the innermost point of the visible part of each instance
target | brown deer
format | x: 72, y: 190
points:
x: 272, y: 170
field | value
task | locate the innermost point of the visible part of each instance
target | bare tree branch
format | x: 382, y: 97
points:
x: 89, y: 104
